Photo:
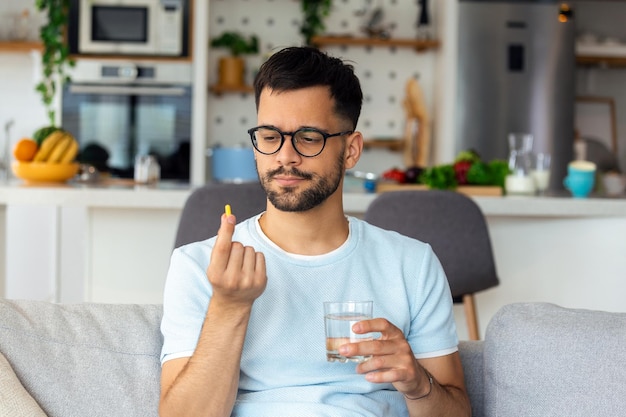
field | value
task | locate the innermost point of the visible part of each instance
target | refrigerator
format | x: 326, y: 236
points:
x: 516, y: 73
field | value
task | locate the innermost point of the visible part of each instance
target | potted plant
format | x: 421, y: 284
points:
x: 232, y: 67
x: 55, y: 57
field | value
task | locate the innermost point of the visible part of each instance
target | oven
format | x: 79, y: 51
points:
x: 120, y: 110
x: 129, y: 27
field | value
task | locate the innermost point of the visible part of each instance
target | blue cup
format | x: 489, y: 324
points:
x: 581, y: 177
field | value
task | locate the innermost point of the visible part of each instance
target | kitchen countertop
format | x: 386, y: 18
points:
x: 112, y: 193
x: 172, y: 195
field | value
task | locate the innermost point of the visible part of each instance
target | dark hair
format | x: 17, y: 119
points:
x: 301, y: 67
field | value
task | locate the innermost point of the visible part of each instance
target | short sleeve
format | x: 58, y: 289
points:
x: 433, y: 329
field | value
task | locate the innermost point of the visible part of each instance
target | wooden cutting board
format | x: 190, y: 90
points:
x: 471, y: 190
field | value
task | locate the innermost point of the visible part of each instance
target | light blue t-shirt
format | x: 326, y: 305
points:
x: 284, y: 371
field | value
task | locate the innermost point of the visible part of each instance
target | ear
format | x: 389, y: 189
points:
x: 354, y: 148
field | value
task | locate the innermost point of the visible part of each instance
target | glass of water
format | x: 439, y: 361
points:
x: 339, y: 317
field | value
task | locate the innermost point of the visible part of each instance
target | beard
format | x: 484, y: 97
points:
x: 292, y: 200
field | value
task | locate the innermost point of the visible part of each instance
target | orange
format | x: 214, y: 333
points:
x: 25, y: 150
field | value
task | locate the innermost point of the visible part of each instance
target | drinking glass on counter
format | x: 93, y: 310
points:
x: 520, y: 181
x: 540, y: 171
x: 339, y: 317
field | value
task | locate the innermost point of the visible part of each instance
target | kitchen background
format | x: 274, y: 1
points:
x: 383, y: 71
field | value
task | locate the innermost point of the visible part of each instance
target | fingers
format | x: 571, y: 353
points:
x: 391, y: 357
x: 383, y: 326
x: 388, y: 351
x: 236, y: 272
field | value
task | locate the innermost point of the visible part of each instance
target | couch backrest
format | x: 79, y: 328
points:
x: 85, y: 359
x: 545, y: 360
x: 472, y: 358
x: 99, y: 359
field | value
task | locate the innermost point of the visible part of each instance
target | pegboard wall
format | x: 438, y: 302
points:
x: 383, y: 71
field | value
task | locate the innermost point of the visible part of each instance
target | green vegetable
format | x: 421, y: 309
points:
x: 499, y: 170
x: 479, y: 174
x: 445, y: 177
x: 440, y: 177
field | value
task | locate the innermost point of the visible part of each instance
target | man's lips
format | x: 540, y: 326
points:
x: 287, y: 180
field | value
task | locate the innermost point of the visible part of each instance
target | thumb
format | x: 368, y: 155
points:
x: 224, y: 236
x: 227, y: 228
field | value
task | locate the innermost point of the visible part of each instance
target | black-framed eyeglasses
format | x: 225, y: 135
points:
x: 307, y: 141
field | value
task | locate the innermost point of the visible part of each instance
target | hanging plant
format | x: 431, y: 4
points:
x: 314, y: 12
x: 55, y: 57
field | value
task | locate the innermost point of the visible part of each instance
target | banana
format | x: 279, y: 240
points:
x: 59, y: 150
x: 70, y: 152
x: 48, y: 145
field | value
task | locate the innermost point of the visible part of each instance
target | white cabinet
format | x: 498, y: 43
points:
x: 73, y: 244
x: 128, y: 254
x: 75, y: 254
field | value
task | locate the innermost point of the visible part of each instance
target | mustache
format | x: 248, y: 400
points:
x: 294, y: 172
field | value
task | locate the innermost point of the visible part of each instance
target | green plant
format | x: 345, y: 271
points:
x: 55, y: 56
x: 314, y: 12
x: 236, y: 43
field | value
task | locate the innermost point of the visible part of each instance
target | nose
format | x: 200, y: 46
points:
x: 287, y: 154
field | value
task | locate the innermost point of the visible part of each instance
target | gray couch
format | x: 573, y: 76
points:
x: 103, y: 360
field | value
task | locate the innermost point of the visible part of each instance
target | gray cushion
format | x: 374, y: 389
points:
x: 544, y: 360
x: 15, y: 401
x: 85, y: 359
x: 472, y: 358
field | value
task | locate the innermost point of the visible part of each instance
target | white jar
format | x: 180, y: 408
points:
x: 147, y: 169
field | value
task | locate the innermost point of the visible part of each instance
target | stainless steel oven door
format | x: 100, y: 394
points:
x: 142, y: 27
x: 122, y: 119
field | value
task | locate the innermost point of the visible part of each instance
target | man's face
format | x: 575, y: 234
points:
x: 291, y: 181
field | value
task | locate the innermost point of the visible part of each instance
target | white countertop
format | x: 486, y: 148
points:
x: 117, y: 194
x: 167, y: 195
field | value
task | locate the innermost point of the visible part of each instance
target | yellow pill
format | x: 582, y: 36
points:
x: 227, y: 210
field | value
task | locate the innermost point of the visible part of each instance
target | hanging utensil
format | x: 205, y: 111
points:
x: 5, y: 157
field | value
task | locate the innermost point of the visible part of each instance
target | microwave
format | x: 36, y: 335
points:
x: 129, y: 27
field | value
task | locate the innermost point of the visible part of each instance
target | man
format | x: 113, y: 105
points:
x: 243, y: 312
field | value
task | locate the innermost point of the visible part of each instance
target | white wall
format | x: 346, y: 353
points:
x: 19, y: 102
x: 19, y: 73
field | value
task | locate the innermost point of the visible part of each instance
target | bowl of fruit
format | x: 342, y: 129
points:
x: 46, y: 158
